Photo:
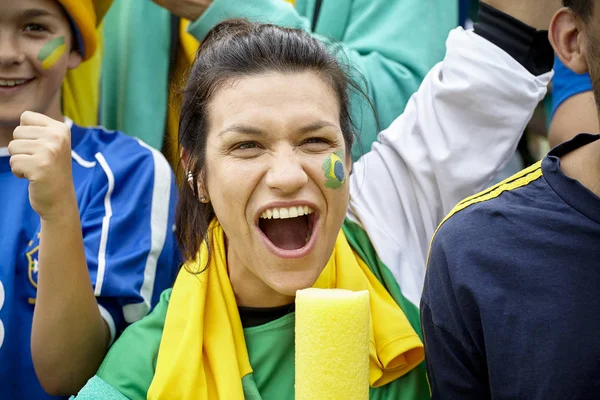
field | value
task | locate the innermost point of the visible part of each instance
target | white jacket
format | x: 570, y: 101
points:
x: 458, y: 131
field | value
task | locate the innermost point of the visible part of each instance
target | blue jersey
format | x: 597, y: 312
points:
x: 566, y: 84
x: 511, y: 302
x: 126, y: 195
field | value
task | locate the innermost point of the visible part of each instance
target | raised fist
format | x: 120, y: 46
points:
x: 41, y: 153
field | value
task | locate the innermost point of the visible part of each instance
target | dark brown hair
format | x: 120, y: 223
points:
x: 582, y: 8
x: 232, y: 50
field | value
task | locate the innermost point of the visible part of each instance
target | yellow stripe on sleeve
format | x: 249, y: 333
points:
x: 521, y: 179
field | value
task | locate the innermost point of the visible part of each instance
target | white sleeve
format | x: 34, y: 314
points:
x: 456, y: 134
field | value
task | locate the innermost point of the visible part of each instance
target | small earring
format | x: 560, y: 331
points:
x: 202, y: 199
x: 190, y: 177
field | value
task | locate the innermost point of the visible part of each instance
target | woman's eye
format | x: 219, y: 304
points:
x: 35, y: 28
x: 316, y: 140
x: 246, y: 146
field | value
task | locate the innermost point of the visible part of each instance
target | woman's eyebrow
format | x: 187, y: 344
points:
x: 241, y: 128
x: 315, y: 126
x: 252, y: 130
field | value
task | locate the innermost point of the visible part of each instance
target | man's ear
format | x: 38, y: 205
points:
x: 569, y: 39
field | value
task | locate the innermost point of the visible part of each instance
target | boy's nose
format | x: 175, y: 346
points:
x: 10, y: 53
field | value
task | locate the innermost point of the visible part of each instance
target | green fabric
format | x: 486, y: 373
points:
x: 135, y: 66
x: 271, y: 352
x: 392, y: 46
x: 360, y: 242
x: 96, y: 389
x: 130, y: 363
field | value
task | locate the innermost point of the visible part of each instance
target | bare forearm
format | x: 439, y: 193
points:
x: 69, y: 336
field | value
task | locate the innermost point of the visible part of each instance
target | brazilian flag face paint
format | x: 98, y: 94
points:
x: 52, y: 52
x: 335, y: 172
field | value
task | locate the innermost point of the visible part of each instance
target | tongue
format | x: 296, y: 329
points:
x: 287, y: 234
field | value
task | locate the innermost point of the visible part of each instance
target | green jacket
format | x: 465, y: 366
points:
x: 392, y: 43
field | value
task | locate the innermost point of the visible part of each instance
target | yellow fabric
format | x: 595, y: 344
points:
x: 81, y: 87
x: 87, y: 15
x: 81, y: 90
x: 203, y: 352
x: 395, y: 348
x: 332, y: 344
x: 188, y: 45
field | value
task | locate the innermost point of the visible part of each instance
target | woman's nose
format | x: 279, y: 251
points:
x: 286, y: 172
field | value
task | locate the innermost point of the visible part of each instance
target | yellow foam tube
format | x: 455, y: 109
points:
x: 332, y: 344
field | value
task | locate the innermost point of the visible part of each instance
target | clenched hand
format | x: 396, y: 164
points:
x: 41, y: 153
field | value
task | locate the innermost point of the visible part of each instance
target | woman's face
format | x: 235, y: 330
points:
x: 276, y: 175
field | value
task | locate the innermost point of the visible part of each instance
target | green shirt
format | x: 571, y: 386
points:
x: 130, y: 364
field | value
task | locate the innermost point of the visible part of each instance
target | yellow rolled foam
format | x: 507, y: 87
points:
x: 332, y: 344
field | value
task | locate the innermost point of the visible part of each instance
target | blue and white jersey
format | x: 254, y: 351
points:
x: 126, y: 195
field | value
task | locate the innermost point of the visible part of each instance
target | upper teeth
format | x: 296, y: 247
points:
x: 287, y: 212
x: 11, y: 82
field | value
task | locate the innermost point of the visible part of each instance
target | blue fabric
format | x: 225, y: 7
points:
x: 567, y: 83
x: 464, y: 7
x: 510, y: 302
x: 129, y: 241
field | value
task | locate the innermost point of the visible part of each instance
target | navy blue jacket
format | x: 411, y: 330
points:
x: 511, y: 303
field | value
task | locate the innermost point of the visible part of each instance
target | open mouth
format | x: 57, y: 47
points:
x: 288, y: 228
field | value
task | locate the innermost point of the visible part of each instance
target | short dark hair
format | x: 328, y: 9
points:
x: 582, y: 8
x: 235, y: 49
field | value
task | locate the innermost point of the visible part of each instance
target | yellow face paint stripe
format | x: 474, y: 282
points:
x: 523, y: 178
x: 52, y: 51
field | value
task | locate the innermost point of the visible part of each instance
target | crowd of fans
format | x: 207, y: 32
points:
x: 173, y: 171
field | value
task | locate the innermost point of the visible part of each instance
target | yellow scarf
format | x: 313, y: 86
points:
x: 203, y: 352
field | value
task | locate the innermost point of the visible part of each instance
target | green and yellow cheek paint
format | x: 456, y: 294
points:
x: 52, y: 52
x: 335, y: 172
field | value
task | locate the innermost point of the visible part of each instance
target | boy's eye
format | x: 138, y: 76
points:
x: 35, y: 28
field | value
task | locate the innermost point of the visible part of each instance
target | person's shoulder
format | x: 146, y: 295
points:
x: 101, y: 139
x: 487, y: 215
x: 117, y: 151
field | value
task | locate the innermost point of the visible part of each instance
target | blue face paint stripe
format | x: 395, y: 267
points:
x: 338, y: 171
